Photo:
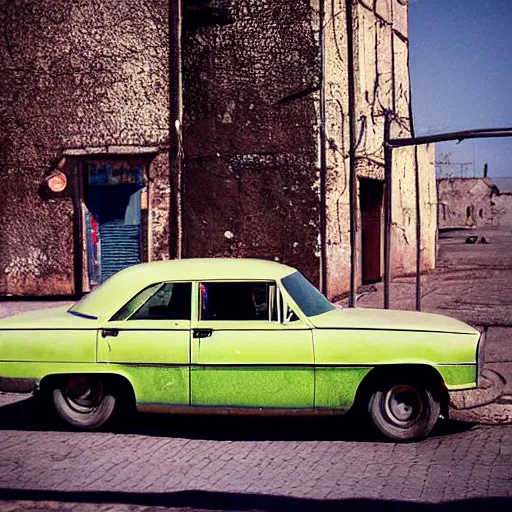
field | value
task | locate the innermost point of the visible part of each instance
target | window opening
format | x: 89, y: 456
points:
x: 162, y: 301
x: 243, y: 301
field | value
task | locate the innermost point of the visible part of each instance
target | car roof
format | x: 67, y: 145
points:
x: 116, y: 291
x: 197, y: 269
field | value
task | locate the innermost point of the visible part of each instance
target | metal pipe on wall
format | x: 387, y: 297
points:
x: 175, y: 128
x: 352, y: 163
x: 484, y: 133
x: 418, y: 230
x: 388, y: 170
x: 323, y: 158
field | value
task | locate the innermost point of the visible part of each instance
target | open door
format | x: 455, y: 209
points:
x: 113, y: 217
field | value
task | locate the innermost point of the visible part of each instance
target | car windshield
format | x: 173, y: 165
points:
x: 307, y: 297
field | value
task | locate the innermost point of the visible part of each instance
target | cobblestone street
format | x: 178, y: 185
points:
x: 244, y: 464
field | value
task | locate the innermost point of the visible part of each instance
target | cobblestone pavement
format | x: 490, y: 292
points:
x: 229, y: 463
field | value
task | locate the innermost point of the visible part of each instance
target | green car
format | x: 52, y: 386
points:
x: 238, y: 336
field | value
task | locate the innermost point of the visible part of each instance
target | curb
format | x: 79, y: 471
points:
x: 491, y: 386
x: 492, y: 414
x: 485, y: 405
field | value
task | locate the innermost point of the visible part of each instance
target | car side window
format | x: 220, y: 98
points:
x: 242, y: 301
x: 163, y: 301
x: 234, y: 301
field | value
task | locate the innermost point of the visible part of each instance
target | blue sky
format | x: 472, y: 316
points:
x: 461, y: 76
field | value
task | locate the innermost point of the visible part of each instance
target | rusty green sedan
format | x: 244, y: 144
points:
x: 240, y: 336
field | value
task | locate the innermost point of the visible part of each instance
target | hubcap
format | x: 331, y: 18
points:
x: 83, y: 393
x: 403, y: 405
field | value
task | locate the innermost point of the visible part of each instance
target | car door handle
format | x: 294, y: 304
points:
x: 109, y: 332
x: 202, y: 333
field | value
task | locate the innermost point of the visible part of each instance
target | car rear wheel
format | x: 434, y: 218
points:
x: 404, y: 411
x: 84, y: 401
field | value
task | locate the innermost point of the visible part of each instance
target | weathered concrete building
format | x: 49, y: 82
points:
x: 130, y: 134
x: 472, y: 202
x: 84, y: 89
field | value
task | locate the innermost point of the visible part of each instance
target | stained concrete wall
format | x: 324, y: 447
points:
x: 252, y: 143
x: 381, y: 73
x: 252, y: 133
x: 337, y: 129
x: 403, y: 215
x: 250, y: 165
x: 74, y: 74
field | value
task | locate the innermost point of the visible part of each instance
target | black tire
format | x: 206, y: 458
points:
x: 403, y: 410
x: 83, y: 401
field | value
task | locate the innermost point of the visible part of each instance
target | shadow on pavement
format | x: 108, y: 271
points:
x: 207, y: 500
x: 27, y: 414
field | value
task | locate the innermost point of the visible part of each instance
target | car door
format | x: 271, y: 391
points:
x: 244, y: 353
x: 148, y: 340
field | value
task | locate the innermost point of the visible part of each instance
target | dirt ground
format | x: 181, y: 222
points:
x: 471, y: 282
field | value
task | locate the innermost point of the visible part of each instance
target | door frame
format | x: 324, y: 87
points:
x: 143, y: 160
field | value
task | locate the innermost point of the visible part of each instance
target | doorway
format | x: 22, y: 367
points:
x: 112, y: 216
x: 371, y: 193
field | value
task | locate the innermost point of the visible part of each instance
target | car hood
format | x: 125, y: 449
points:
x: 52, y: 318
x: 386, y: 319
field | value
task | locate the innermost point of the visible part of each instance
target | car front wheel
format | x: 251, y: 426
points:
x: 404, y: 411
x: 83, y: 401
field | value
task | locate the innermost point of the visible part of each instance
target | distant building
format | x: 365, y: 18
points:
x: 472, y: 202
x: 96, y: 175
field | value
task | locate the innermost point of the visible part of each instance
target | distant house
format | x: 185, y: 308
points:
x: 472, y: 202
